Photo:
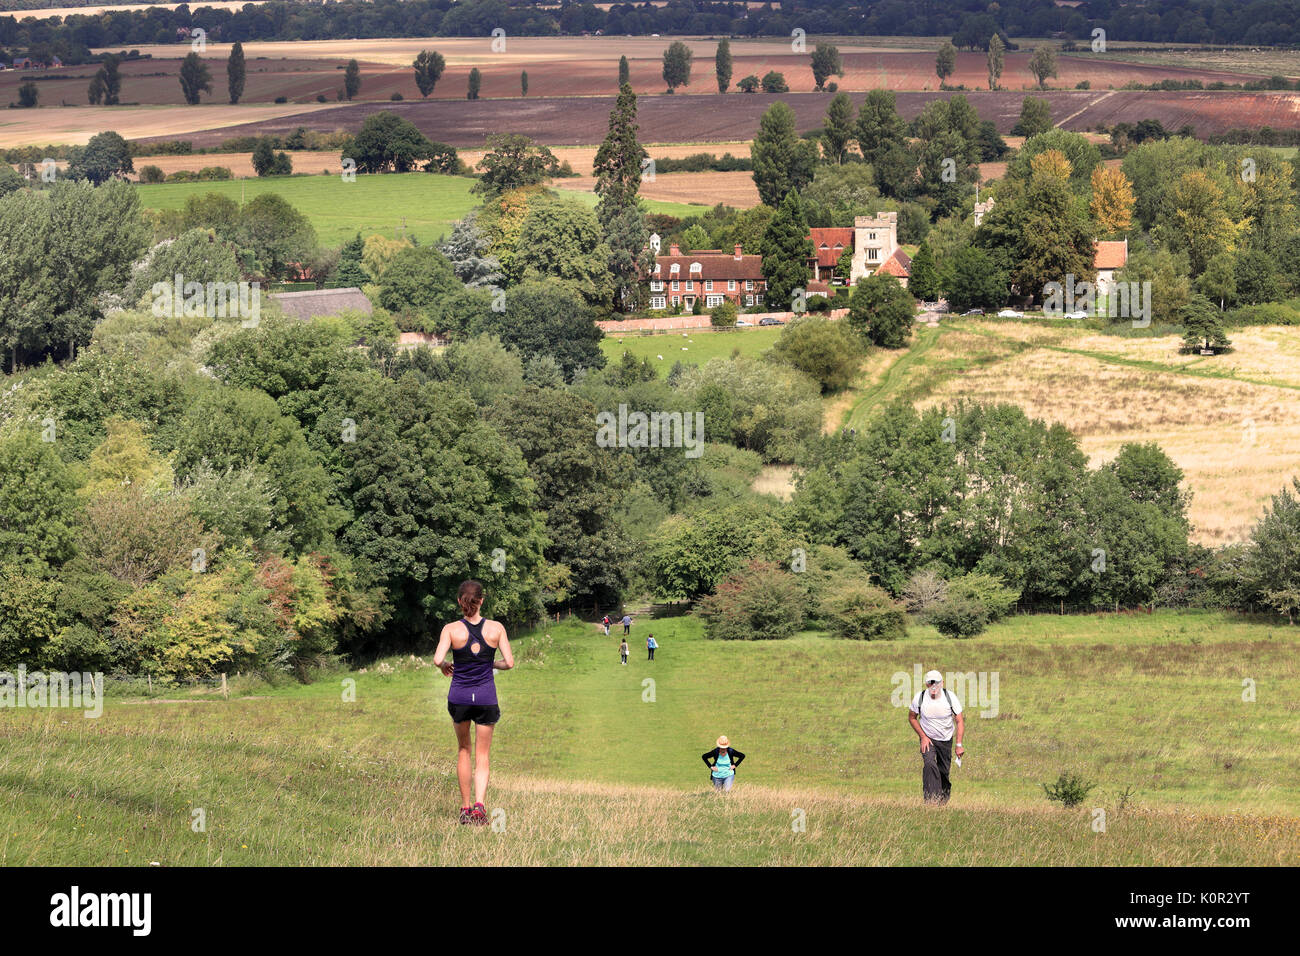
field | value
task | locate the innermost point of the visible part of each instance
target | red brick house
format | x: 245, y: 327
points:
x: 708, y: 274
x: 828, y: 245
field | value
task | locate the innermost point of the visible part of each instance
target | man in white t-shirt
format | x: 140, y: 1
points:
x: 932, y: 715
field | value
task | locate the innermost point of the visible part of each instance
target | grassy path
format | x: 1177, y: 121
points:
x: 588, y: 768
x: 893, y: 379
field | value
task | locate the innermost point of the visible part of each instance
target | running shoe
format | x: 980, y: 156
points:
x: 466, y: 816
x: 478, y: 816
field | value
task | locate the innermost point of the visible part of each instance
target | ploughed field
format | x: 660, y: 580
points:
x: 716, y: 118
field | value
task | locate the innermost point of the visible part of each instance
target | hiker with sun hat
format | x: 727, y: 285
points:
x: 932, y: 715
x: 726, y: 759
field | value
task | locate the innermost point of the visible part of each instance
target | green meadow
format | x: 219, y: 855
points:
x: 417, y: 205
x: 691, y: 348
x: 421, y: 206
x: 599, y: 763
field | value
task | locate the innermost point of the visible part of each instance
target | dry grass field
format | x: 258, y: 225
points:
x: 1231, y: 422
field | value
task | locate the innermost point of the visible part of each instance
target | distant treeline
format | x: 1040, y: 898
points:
x: 1275, y: 82
x: 704, y: 163
x: 969, y: 22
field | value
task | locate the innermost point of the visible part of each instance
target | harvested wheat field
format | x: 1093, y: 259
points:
x: 239, y: 164
x: 44, y: 13
x: 582, y: 158
x: 735, y: 189
x: 156, y: 82
x: 1231, y: 422
x: 588, y: 66
x: 76, y: 124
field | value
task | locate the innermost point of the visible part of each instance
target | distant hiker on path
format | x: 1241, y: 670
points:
x: 622, y: 650
x: 606, y: 623
x: 472, y: 696
x: 651, y: 644
x: 725, y: 761
x: 931, y: 715
x: 627, y: 625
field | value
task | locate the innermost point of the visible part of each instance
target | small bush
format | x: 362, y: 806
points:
x: 1069, y: 790
x: 863, y: 612
x: 959, y: 615
x: 396, y: 97
x: 757, y: 603
x: 152, y: 174
x: 321, y: 98
x: 282, y: 99
x: 723, y: 316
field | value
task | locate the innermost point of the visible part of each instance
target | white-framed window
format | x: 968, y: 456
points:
x: 656, y: 285
x: 696, y: 268
x: 713, y: 300
x: 676, y: 268
x: 749, y: 300
x: 708, y: 285
x: 677, y: 300
x: 658, y: 266
x: 657, y: 302
x: 873, y: 255
x: 731, y: 285
x: 749, y: 284
x: 872, y: 237
x: 676, y: 285
x: 690, y: 285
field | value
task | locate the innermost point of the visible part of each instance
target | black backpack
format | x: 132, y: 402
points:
x: 947, y: 696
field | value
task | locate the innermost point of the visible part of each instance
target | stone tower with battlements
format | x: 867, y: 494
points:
x: 875, y: 238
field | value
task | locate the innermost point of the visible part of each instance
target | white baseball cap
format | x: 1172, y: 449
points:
x: 933, y: 675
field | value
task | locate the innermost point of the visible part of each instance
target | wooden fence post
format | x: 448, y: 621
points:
x: 225, y: 691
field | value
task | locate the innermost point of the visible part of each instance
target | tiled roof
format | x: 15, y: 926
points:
x: 835, y: 240
x: 309, y: 304
x: 712, y: 266
x: 898, y: 265
x: 1111, y: 255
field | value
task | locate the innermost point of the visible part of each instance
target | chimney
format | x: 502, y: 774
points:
x: 674, y: 250
x: 738, y: 250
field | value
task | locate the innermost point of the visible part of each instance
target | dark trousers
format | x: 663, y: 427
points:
x: 652, y: 653
x: 627, y: 629
x: 935, y: 762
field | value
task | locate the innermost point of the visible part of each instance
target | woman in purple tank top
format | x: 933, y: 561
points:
x: 472, y: 697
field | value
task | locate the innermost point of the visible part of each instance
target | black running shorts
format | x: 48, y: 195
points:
x: 479, y: 713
